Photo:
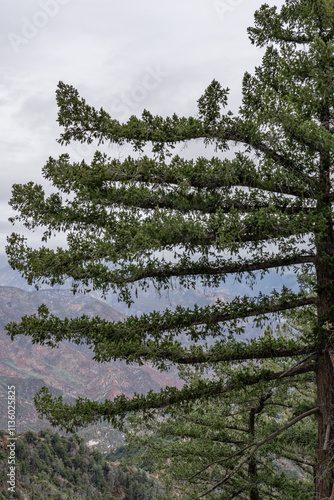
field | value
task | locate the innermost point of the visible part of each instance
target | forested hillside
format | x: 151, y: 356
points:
x: 50, y: 466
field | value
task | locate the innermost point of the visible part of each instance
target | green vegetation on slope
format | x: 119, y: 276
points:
x: 50, y: 466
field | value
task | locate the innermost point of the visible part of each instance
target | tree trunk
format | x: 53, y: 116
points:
x: 253, y: 477
x: 325, y: 371
x: 325, y: 460
x: 325, y: 367
x: 252, y: 465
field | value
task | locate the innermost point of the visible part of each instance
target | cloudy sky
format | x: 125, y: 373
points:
x: 123, y: 55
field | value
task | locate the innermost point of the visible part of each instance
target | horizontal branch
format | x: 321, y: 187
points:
x: 128, y: 237
x: 202, y: 268
x: 282, y: 36
x: 148, y: 198
x: 198, y: 322
x: 257, y: 143
x: 286, y: 26
x: 209, y: 174
x: 96, y: 207
x: 219, y: 352
x: 297, y: 459
x: 83, y: 123
x: 86, y: 255
x: 85, y: 412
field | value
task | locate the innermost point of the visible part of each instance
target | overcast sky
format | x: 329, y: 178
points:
x: 123, y: 55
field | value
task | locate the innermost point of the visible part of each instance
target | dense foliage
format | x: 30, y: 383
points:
x: 54, y: 467
x: 269, y: 207
x: 194, y: 450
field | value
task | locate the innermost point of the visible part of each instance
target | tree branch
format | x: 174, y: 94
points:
x: 85, y: 412
x: 184, y: 357
x: 48, y: 329
x: 198, y: 268
x: 257, y: 446
x: 214, y: 174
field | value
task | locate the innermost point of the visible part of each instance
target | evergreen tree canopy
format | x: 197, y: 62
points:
x: 269, y: 207
x: 194, y: 450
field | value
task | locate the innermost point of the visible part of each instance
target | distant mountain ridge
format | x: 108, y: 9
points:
x: 69, y: 369
x: 151, y: 300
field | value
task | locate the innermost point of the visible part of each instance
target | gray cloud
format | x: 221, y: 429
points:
x: 110, y: 51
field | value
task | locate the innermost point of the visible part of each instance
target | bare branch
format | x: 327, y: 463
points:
x: 312, y: 355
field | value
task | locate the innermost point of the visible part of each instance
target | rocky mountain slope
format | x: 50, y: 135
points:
x: 69, y: 369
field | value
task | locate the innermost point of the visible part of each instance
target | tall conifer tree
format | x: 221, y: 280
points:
x: 194, y: 450
x: 268, y: 207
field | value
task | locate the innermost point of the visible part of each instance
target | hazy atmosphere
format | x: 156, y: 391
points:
x: 123, y: 56
x: 168, y: 333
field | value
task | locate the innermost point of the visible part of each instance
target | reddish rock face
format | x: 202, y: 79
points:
x: 68, y: 369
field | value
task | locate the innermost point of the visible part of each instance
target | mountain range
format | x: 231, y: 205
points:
x: 69, y: 369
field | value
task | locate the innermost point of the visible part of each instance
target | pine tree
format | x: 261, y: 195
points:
x: 195, y: 449
x: 268, y: 207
